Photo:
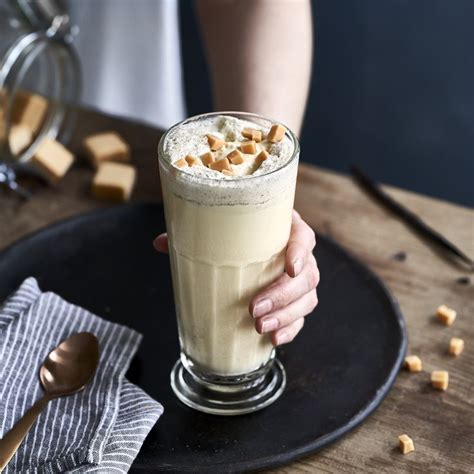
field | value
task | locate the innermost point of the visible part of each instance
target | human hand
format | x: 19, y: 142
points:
x: 280, y: 308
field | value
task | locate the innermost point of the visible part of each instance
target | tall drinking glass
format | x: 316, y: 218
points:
x: 227, y: 241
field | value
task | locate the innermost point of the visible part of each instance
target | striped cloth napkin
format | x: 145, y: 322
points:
x: 100, y: 429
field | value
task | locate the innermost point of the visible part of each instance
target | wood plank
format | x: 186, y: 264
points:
x: 441, y: 424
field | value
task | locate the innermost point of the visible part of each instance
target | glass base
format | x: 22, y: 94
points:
x: 225, y: 396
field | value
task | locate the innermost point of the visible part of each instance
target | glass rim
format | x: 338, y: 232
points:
x: 225, y: 182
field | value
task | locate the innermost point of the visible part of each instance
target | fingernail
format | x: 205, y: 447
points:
x: 282, y: 338
x: 269, y: 325
x: 297, y: 266
x: 262, y: 307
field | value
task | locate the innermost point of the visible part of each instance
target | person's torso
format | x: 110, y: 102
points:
x: 130, y: 56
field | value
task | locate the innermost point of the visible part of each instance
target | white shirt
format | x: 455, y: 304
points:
x: 130, y: 57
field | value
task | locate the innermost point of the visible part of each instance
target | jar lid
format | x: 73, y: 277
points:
x: 49, y: 16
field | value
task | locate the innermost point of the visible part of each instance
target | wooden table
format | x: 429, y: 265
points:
x: 441, y: 424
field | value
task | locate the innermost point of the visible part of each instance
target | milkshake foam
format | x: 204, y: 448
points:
x: 210, y: 187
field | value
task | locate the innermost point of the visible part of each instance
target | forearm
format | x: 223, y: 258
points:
x: 259, y: 53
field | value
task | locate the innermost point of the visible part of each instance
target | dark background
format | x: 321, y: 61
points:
x: 392, y: 90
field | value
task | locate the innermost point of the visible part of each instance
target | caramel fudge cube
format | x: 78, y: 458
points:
x: 413, y: 363
x: 249, y: 148
x: 29, y: 110
x: 440, y: 379
x: 276, y: 133
x: 207, y: 158
x: 3, y: 109
x: 182, y: 163
x: 215, y: 143
x: 228, y: 173
x: 235, y: 157
x: 193, y: 161
x: 446, y: 315
x: 261, y: 157
x: 252, y: 134
x: 456, y: 346
x: 52, y: 159
x: 220, y: 165
x: 20, y: 137
x: 107, y: 146
x: 406, y: 444
x: 3, y: 126
x: 113, y: 181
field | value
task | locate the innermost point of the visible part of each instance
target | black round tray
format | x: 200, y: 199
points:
x: 339, y: 368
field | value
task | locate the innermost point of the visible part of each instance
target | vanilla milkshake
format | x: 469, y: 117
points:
x: 228, y: 186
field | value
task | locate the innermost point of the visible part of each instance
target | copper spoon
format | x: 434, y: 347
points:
x: 66, y: 370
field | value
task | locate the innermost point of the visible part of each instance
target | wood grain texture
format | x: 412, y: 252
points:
x: 440, y: 423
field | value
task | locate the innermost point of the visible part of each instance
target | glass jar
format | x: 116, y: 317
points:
x: 36, y: 57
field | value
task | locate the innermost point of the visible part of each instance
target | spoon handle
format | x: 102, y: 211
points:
x: 12, y: 440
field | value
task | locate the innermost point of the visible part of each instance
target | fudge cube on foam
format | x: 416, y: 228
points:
x: 248, y: 147
x: 207, y: 158
x: 276, y: 133
x: 252, y: 134
x: 214, y: 142
x: 220, y: 165
x: 235, y: 157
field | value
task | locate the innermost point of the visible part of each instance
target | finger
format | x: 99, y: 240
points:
x: 288, y: 333
x: 300, y: 245
x: 287, y: 316
x: 285, y: 290
x: 161, y: 243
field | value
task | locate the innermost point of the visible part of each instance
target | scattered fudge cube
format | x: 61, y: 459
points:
x: 107, y: 146
x: 52, y: 159
x: 113, y: 181
x: 20, y: 138
x: 406, y: 444
x: 413, y: 363
x: 440, y: 379
x: 29, y: 110
x: 446, y: 315
x: 456, y: 346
